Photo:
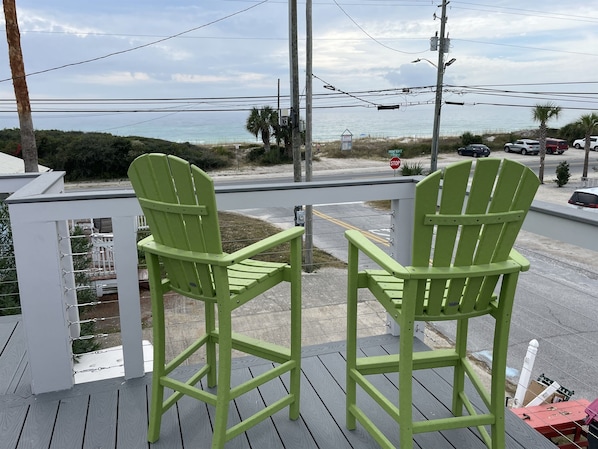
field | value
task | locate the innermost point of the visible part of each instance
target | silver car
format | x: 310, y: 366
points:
x: 523, y: 146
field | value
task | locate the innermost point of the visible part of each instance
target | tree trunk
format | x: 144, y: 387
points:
x: 586, y: 158
x: 19, y: 81
x: 542, y: 150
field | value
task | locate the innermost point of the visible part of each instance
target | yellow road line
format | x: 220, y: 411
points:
x: 370, y: 235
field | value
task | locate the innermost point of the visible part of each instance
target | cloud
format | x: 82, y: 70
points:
x: 218, y: 79
x: 114, y: 78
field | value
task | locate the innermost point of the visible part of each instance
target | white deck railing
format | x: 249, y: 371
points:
x: 40, y: 211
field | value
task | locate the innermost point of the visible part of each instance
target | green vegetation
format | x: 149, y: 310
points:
x: 81, y: 250
x: 469, y: 138
x: 542, y: 113
x: 562, y: 174
x: 408, y: 169
x: 99, y: 156
x: 233, y: 225
x: 9, y: 289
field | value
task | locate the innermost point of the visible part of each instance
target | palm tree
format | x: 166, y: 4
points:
x: 589, y: 123
x: 262, y: 121
x: 542, y: 113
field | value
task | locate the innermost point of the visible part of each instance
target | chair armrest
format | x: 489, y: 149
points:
x: 516, y: 257
x: 148, y: 244
x: 265, y: 244
x: 385, y: 262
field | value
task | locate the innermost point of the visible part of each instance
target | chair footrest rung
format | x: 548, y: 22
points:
x: 452, y: 422
x: 259, y: 348
x: 265, y: 413
x: 188, y: 389
x: 262, y: 379
x: 421, y: 360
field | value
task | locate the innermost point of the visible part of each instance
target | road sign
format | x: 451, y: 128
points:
x: 395, y: 153
x: 395, y: 163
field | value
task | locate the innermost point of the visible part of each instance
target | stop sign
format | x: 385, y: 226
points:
x: 395, y: 163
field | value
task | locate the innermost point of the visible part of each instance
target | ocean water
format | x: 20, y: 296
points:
x: 328, y: 124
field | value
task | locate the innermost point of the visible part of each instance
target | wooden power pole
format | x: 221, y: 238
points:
x: 19, y: 81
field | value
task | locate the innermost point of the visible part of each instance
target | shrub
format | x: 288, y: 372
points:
x: 408, y: 169
x: 9, y: 289
x: 81, y: 249
x: 468, y: 138
x: 562, y: 174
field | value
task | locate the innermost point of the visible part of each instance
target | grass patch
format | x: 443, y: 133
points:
x: 238, y: 231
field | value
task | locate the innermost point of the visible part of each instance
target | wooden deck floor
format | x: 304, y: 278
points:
x: 113, y: 413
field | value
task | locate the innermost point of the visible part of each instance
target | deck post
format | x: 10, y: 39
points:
x: 43, y: 293
x: 401, y: 230
x: 125, y: 261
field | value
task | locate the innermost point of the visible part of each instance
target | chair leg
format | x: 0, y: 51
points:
x: 155, y: 418
x: 159, y: 342
x: 210, y: 324
x: 352, y: 294
x: 459, y: 371
x: 224, y: 376
x: 295, y: 286
x: 406, y: 384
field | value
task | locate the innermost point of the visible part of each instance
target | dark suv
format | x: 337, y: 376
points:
x: 475, y: 150
x: 556, y: 146
x: 583, y: 198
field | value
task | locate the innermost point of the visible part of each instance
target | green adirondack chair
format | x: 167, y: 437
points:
x: 178, y: 201
x: 463, y: 266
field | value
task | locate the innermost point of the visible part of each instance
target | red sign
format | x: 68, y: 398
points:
x: 395, y: 163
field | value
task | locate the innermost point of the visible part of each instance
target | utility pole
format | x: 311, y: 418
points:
x: 309, y: 234
x: 294, y: 114
x: 442, y: 48
x: 19, y: 81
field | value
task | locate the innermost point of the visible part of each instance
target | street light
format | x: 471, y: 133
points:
x: 440, y: 68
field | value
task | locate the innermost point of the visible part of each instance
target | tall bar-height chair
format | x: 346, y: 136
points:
x: 463, y: 266
x: 184, y: 255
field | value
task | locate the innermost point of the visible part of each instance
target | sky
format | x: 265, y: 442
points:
x: 85, y: 56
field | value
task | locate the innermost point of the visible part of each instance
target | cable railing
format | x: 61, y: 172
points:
x: 9, y: 288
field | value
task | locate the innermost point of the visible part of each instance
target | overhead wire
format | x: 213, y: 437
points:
x: 138, y: 47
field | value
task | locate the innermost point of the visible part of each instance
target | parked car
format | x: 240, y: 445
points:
x: 556, y: 146
x: 581, y: 143
x: 523, y: 146
x: 475, y: 150
x: 585, y: 198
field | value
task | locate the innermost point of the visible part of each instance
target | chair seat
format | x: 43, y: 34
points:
x: 389, y: 291
x: 247, y: 274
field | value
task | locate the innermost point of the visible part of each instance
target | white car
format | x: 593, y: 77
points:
x: 585, y: 199
x: 523, y: 146
x: 581, y: 143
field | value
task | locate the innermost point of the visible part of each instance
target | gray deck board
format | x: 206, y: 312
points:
x: 113, y: 414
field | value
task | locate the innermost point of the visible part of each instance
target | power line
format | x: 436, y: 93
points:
x: 86, y: 61
x: 372, y: 37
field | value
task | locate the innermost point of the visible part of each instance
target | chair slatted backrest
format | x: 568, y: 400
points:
x: 464, y: 233
x: 179, y: 203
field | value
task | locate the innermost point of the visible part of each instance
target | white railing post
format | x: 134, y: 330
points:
x: 42, y: 292
x: 127, y: 278
x: 401, y: 230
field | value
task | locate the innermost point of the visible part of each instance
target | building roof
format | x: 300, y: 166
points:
x: 11, y: 165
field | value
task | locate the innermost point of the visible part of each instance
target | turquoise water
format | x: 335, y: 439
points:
x: 328, y: 124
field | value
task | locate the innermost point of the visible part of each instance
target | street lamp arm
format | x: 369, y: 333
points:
x: 423, y: 59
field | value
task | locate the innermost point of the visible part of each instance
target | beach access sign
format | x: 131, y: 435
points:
x: 346, y: 140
